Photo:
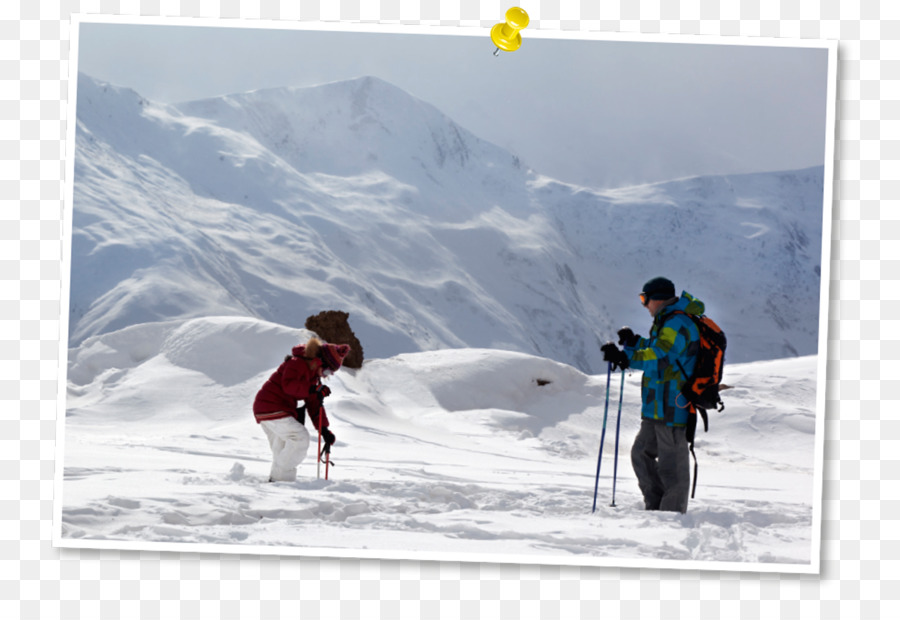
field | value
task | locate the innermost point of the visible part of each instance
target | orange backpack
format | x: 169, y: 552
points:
x: 701, y: 390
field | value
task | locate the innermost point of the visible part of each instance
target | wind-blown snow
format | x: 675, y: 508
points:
x: 472, y: 454
x: 356, y: 196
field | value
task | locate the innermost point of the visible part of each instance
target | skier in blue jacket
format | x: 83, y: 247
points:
x: 660, y: 454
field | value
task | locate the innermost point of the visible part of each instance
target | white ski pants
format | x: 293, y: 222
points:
x: 289, y: 441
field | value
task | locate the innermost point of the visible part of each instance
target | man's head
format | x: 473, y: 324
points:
x: 657, y: 293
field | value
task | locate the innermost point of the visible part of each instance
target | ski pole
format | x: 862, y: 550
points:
x: 326, y: 452
x: 319, y: 450
x: 602, y: 434
x: 618, y: 421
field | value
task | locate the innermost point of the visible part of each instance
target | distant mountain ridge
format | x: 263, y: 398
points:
x: 356, y: 196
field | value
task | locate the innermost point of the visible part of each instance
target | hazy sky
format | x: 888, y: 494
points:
x: 594, y: 112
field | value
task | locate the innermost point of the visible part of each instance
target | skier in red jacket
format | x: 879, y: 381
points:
x: 298, y: 378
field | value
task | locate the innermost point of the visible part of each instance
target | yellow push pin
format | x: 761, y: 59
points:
x: 506, y: 35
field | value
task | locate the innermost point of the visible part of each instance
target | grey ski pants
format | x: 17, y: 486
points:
x: 661, y: 461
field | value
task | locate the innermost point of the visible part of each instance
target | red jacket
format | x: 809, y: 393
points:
x: 295, y: 380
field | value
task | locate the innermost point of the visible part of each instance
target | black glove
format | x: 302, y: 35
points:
x: 627, y: 337
x: 323, y: 390
x: 615, y: 356
x: 328, y: 437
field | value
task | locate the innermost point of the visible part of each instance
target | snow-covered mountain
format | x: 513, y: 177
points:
x: 357, y: 196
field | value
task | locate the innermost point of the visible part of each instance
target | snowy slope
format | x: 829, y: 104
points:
x: 356, y: 196
x: 751, y: 243
x: 472, y: 454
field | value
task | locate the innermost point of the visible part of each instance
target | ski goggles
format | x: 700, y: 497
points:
x: 645, y: 299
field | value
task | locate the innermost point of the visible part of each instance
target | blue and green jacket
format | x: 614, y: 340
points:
x: 667, y: 358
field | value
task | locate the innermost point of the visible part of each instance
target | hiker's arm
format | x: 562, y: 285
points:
x: 645, y: 355
x: 315, y: 409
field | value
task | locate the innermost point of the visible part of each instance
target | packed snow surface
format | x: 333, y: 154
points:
x: 472, y: 454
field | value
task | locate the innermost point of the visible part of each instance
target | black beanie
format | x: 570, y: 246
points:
x: 659, y: 288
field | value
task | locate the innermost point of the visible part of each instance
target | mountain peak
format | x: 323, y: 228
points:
x: 339, y: 89
x: 359, y: 126
x: 366, y: 82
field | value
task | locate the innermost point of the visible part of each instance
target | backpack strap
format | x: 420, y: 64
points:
x: 689, y: 435
x: 696, y: 468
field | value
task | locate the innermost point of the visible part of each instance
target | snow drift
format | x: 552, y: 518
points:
x: 471, y: 454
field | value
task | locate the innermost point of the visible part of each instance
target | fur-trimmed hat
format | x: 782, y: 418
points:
x: 309, y: 351
x: 333, y: 355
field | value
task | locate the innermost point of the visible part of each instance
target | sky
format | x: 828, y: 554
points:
x: 598, y: 113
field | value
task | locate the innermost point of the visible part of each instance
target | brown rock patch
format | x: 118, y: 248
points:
x: 333, y: 326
